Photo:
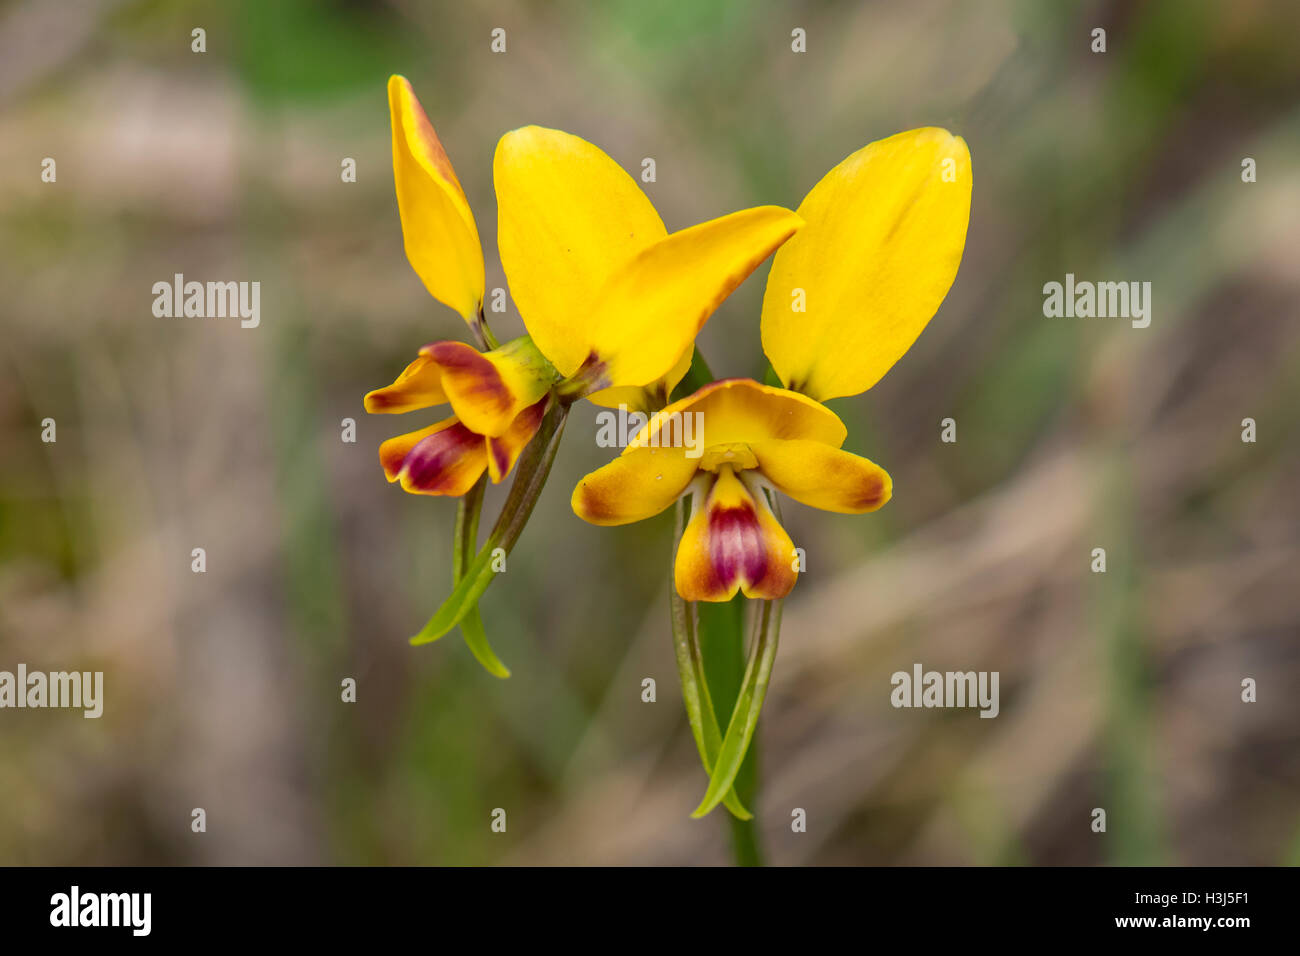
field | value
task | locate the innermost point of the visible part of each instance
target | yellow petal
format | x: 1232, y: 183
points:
x: 740, y: 410
x: 733, y: 543
x: 419, y: 386
x: 504, y: 451
x: 652, y: 308
x: 638, y: 484
x: 438, y: 228
x: 567, y: 217
x: 823, y: 477
x: 488, y: 390
x: 884, y: 237
x: 443, y: 459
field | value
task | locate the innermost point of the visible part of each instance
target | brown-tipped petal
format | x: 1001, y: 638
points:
x: 504, y: 450
x: 419, y: 386
x: 638, y: 484
x: 488, y: 390
x: 734, y: 543
x: 823, y: 477
x: 443, y: 459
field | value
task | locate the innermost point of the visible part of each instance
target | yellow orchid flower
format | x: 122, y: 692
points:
x: 756, y: 438
x: 499, y: 398
x: 612, y: 301
x: 846, y: 297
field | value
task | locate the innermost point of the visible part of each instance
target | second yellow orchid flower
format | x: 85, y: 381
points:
x: 610, y: 299
x: 846, y: 297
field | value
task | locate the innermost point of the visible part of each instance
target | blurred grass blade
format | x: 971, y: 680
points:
x: 748, y: 707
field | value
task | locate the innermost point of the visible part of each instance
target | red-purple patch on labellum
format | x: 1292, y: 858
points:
x: 736, y: 544
x: 733, y: 543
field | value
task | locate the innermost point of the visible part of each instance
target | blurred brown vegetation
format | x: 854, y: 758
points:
x: 1119, y: 690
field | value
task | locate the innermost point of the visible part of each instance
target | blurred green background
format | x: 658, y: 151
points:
x: 1118, y: 690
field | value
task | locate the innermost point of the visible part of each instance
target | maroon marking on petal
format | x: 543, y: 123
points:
x: 471, y: 372
x: 380, y: 401
x: 530, y: 419
x: 736, y: 545
x: 500, y: 453
x: 521, y: 432
x: 431, y: 465
x: 870, y: 494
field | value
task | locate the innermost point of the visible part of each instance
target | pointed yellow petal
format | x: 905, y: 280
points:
x: 438, y: 228
x: 653, y: 307
x: 884, y: 236
x: 823, y: 477
x: 733, y: 543
x: 488, y: 390
x: 740, y: 410
x: 567, y: 217
x: 419, y: 386
x: 638, y: 484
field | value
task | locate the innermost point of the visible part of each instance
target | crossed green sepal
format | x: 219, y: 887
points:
x: 695, y: 689
x: 473, y: 578
x: 471, y: 622
x: 462, y: 600
x: 749, y: 704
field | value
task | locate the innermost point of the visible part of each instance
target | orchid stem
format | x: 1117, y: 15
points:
x: 724, y: 663
x: 466, y: 537
x: 530, y: 478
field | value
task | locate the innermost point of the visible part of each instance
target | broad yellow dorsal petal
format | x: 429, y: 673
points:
x: 568, y: 217
x: 851, y: 292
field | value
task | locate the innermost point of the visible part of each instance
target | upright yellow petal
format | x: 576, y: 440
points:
x: 568, y: 216
x: 884, y: 237
x: 653, y: 307
x: 438, y: 228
